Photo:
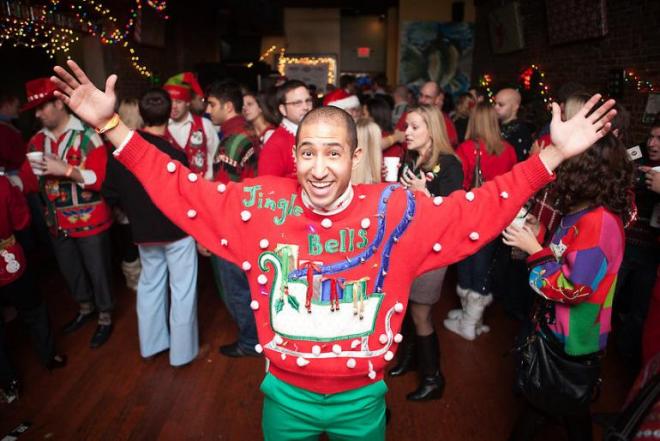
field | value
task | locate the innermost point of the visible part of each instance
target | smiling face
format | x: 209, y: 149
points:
x: 417, y: 133
x: 324, y: 161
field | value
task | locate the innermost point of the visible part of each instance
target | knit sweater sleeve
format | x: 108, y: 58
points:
x: 210, y: 212
x: 270, y: 158
x: 571, y: 270
x: 449, y: 229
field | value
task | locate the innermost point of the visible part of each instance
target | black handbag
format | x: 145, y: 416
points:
x: 553, y: 381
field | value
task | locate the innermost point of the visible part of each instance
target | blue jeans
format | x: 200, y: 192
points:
x: 237, y: 298
x: 474, y: 272
x: 156, y: 330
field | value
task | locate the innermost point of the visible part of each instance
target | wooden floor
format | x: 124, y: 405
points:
x: 112, y: 394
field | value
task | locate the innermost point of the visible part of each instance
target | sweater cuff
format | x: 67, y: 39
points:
x: 537, y: 173
x: 540, y: 257
x: 123, y: 143
x: 133, y: 151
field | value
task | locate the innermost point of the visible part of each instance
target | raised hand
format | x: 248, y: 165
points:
x: 574, y: 136
x: 92, y: 105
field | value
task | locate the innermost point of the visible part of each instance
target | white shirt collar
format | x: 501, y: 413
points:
x: 72, y: 124
x: 289, y: 126
x: 187, y: 120
x: 337, y: 206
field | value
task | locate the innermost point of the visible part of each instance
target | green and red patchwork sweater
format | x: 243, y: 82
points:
x: 372, y: 250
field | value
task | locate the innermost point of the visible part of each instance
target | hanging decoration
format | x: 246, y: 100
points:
x: 54, y: 31
x: 642, y: 85
x: 263, y: 56
x: 329, y: 62
x: 532, y: 83
x: 485, y: 82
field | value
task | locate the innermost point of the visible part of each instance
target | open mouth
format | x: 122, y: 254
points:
x: 320, y: 187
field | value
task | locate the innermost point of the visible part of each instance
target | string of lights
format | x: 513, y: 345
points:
x: 309, y: 61
x: 263, y: 56
x: 640, y: 84
x: 485, y: 82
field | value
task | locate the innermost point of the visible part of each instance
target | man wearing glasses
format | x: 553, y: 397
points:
x: 277, y: 156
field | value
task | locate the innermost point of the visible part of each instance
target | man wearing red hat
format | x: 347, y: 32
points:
x: 71, y: 168
x: 277, y: 155
x: 345, y: 101
x: 193, y: 134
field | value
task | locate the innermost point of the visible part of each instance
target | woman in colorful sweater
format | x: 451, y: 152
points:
x: 373, y: 238
x: 433, y: 169
x: 495, y: 156
x: 576, y: 272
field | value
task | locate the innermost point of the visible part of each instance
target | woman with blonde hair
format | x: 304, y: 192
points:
x: 432, y: 168
x: 484, y: 155
x: 368, y: 170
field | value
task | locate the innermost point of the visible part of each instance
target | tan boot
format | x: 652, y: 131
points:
x: 131, y: 272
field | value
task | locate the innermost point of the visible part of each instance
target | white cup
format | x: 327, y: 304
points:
x: 36, y: 157
x: 656, y: 168
x: 391, y: 168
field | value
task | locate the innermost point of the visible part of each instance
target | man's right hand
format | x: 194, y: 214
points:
x: 92, y: 105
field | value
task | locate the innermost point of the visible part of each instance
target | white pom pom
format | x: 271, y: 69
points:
x: 171, y: 167
x: 191, y: 213
x: 221, y: 188
x: 254, y: 305
x: 336, y: 349
x: 224, y: 242
x: 372, y: 375
x: 262, y: 279
x: 302, y: 362
x: 437, y: 200
x: 474, y: 235
x: 398, y: 338
x: 258, y: 348
x: 245, y: 215
x: 283, y: 356
x: 351, y: 363
x: 437, y: 247
x: 398, y: 307
x: 316, y: 350
x: 355, y: 343
x: 382, y: 338
x: 263, y: 244
x: 278, y: 339
x: 326, y: 223
x: 192, y: 177
x: 469, y: 196
x: 504, y: 195
x: 389, y: 355
x: 365, y: 223
x: 246, y: 266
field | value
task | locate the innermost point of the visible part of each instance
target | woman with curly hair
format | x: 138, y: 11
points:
x: 576, y: 272
x: 431, y: 168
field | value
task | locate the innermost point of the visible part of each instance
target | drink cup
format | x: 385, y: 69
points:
x: 391, y: 168
x: 36, y: 158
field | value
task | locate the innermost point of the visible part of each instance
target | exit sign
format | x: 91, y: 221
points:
x: 363, y: 52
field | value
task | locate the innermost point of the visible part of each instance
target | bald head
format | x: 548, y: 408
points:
x: 507, y: 103
x: 335, y: 116
x: 431, y: 95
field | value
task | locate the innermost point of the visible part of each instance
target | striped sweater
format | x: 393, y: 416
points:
x: 578, y: 272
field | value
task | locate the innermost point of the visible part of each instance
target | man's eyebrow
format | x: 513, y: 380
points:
x: 324, y: 144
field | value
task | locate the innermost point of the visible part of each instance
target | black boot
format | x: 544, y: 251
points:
x: 433, y: 382
x: 406, y: 360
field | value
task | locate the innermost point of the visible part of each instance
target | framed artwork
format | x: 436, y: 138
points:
x: 434, y: 51
x: 574, y: 20
x: 506, y: 31
x: 319, y: 70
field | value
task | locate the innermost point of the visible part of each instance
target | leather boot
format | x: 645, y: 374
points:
x: 432, y: 383
x: 406, y: 360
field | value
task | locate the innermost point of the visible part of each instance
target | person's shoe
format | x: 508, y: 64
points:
x: 235, y: 351
x: 58, y: 361
x: 9, y: 393
x: 101, y: 335
x: 430, y: 388
x: 77, y: 323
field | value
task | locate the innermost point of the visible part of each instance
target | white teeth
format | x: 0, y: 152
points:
x: 321, y: 184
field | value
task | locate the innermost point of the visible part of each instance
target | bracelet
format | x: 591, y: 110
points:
x: 69, y: 171
x: 114, y: 121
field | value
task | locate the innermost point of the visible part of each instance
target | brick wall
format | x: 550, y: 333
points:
x: 633, y: 41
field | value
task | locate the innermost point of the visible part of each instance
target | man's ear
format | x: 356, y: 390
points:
x: 282, y: 109
x: 356, y: 157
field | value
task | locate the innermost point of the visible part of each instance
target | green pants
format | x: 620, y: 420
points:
x: 291, y: 413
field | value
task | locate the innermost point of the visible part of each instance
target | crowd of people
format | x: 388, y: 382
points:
x: 332, y: 224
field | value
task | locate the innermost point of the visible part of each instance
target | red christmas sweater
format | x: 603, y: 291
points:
x: 12, y: 146
x: 277, y: 155
x: 73, y: 209
x: 14, y: 216
x: 375, y: 247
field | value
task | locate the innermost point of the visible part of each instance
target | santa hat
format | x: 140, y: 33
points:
x: 340, y: 98
x: 179, y: 86
x: 38, y: 91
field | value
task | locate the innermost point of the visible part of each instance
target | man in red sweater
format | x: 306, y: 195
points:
x: 277, y: 155
x: 325, y: 370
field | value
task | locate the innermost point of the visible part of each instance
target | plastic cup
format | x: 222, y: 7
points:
x: 391, y: 168
x: 35, y: 157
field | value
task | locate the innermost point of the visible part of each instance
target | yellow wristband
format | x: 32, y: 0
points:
x: 114, y: 121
